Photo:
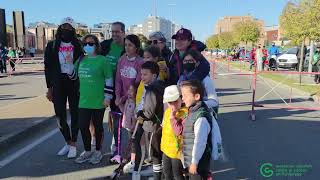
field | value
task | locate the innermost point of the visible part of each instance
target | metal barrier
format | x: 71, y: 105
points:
x: 216, y: 66
x: 22, y: 65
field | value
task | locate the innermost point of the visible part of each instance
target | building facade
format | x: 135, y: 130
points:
x: 18, y: 28
x: 155, y: 23
x: 3, y: 28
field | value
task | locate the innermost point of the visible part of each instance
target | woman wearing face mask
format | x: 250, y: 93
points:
x: 93, y: 70
x: 59, y: 56
x: 190, y: 62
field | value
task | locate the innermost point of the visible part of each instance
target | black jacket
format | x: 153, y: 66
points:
x: 153, y: 102
x: 166, y: 54
x: 105, y: 47
x: 176, y: 65
x: 51, y: 61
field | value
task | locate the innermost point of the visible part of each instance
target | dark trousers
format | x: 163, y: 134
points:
x: 96, y: 116
x: 13, y: 64
x: 197, y: 177
x: 136, y: 146
x: 315, y: 68
x: 68, y: 90
x: 172, y: 168
x: 203, y: 173
x: 115, y: 124
x: 156, y: 153
x: 3, y: 65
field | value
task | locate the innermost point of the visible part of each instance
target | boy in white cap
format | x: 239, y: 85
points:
x: 171, y: 140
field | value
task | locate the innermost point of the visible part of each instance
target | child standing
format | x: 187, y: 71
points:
x: 197, y: 144
x: 152, y: 111
x: 171, y: 140
x: 128, y: 72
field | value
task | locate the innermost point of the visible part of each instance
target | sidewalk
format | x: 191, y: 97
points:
x: 20, y: 119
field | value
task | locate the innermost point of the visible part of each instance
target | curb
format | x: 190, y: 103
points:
x: 13, y: 139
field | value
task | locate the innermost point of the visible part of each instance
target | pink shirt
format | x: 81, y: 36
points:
x: 128, y: 73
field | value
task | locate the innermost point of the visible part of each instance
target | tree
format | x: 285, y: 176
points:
x: 247, y: 31
x: 300, y: 20
x: 226, y: 40
x: 213, y: 42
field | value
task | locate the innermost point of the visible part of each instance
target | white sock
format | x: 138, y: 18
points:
x: 93, y: 140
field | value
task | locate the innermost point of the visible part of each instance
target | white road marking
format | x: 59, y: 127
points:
x: 26, y: 149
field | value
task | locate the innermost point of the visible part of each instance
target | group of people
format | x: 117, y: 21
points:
x: 9, y: 54
x: 263, y: 57
x: 166, y: 101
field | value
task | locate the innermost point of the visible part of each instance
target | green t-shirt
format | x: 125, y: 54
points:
x: 114, y: 55
x: 93, y: 73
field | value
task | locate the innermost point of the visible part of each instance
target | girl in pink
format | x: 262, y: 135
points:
x: 128, y: 74
x: 128, y: 119
x: 128, y: 70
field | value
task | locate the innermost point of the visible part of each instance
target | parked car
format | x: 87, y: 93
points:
x: 288, y: 59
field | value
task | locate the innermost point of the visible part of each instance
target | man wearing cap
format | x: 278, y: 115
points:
x: 183, y: 42
x: 113, y: 49
x: 59, y: 57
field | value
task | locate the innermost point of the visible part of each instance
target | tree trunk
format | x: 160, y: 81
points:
x: 311, y: 56
x: 301, y: 62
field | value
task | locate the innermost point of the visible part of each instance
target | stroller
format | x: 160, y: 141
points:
x: 272, y: 65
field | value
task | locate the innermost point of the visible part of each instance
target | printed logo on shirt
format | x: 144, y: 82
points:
x: 128, y: 72
x: 66, y: 48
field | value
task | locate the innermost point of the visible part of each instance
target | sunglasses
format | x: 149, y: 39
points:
x: 154, y: 42
x: 88, y: 43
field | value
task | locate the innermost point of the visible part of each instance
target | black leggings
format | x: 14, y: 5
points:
x: 85, y: 116
x: 136, y: 146
x: 172, y: 168
x: 68, y: 90
x: 3, y: 65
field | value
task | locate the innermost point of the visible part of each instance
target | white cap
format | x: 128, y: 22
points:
x: 171, y: 94
x: 68, y: 20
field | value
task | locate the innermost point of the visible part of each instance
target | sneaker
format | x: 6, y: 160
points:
x: 96, y: 157
x: 128, y: 168
x: 136, y: 175
x: 64, y: 150
x: 148, y: 161
x: 84, y: 156
x: 72, y: 152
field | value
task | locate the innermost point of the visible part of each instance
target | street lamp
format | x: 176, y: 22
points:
x: 171, y: 34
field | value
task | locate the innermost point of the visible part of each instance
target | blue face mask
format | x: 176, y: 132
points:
x: 88, y: 49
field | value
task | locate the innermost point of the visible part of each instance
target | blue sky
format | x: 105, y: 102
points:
x: 198, y: 15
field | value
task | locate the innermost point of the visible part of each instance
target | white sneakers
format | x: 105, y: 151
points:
x: 128, y: 168
x: 64, y: 150
x: 67, y: 149
x: 72, y: 152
